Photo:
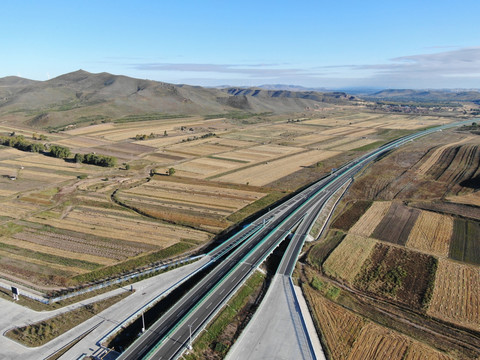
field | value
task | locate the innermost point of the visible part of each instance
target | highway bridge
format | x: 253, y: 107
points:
x: 240, y: 255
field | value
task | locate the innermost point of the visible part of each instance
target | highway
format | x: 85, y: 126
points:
x: 239, y: 256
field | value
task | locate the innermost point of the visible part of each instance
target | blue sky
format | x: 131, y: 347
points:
x: 394, y: 44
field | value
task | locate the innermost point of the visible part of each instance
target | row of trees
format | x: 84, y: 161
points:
x: 62, y: 152
x: 95, y: 159
x: 19, y: 142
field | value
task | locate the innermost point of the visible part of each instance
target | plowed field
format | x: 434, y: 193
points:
x: 396, y: 225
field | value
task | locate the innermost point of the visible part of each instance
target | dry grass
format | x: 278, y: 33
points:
x: 455, y: 297
x: 376, y: 342
x: 340, y: 327
x: 347, y: 259
x: 431, y: 233
x: 370, y: 220
x: 419, y: 351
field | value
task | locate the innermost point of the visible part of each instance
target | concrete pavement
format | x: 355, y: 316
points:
x: 277, y: 330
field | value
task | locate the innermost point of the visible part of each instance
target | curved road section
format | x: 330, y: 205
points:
x: 170, y: 336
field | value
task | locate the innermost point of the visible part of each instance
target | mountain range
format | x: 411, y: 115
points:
x: 80, y: 94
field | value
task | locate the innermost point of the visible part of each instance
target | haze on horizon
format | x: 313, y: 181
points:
x: 431, y: 44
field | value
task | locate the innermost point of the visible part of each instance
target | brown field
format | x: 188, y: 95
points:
x: 264, y: 174
x: 431, y: 233
x: 396, y: 225
x: 370, y: 220
x: 377, y: 342
x: 455, y: 297
x: 397, y: 273
x: 340, y: 327
x: 347, y: 259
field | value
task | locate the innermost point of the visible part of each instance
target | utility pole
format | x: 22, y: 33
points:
x: 190, y: 347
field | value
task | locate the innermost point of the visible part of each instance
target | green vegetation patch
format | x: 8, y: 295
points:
x: 148, y: 117
x: 371, y: 146
x: 327, y: 289
x: 42, y: 332
x: 465, y: 243
x: 214, y: 339
x: 134, y: 263
x: 320, y: 251
x: 258, y: 205
x: 351, y: 214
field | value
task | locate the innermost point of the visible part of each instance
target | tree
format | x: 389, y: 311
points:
x: 171, y: 171
x: 165, y: 133
x: 79, y: 158
x: 61, y: 152
x: 127, y: 166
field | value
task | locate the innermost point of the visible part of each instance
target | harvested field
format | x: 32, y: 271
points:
x: 455, y: 297
x: 350, y: 216
x: 56, y: 252
x: 433, y: 158
x: 200, y: 148
x: 377, y: 342
x: 396, y: 225
x: 181, y: 202
x: 399, y: 274
x: 419, y: 351
x: 371, y: 219
x: 124, y: 228
x: 465, y: 244
x: 353, y: 144
x: 458, y: 168
x: 205, y: 167
x: 347, y: 259
x: 466, y: 211
x: 467, y: 199
x: 340, y: 328
x: 261, y: 153
x: 264, y: 174
x: 77, y: 243
x: 431, y: 233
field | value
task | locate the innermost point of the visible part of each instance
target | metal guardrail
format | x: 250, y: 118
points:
x: 105, y: 283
